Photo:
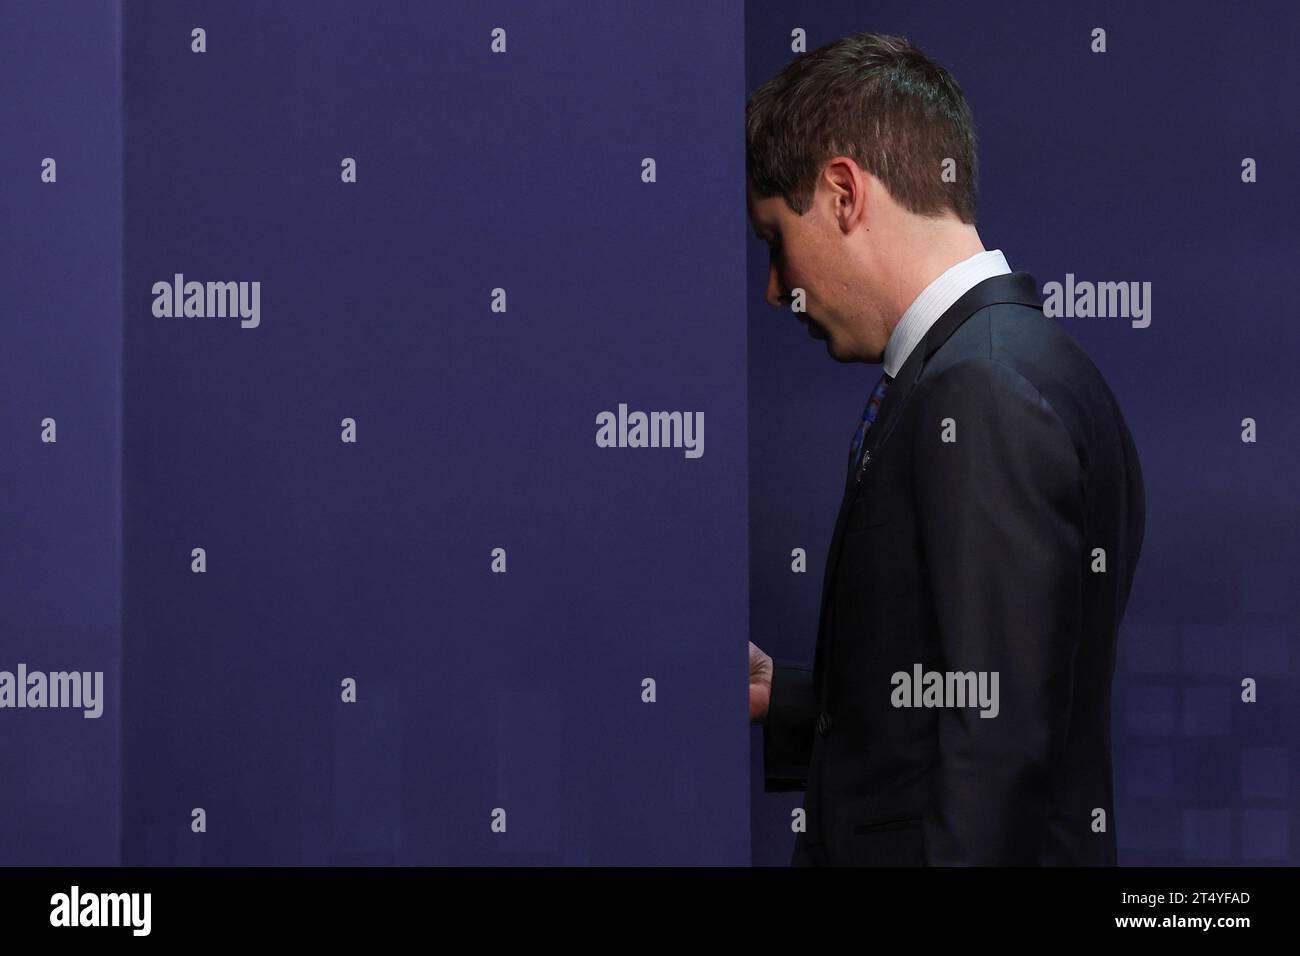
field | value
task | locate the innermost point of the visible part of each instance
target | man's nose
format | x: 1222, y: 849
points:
x: 775, y: 295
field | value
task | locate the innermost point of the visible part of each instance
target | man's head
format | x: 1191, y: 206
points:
x: 861, y: 176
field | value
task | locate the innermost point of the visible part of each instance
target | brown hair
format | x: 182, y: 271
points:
x: 876, y: 99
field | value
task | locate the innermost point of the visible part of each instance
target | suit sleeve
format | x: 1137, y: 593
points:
x: 1000, y: 515
x: 788, y: 730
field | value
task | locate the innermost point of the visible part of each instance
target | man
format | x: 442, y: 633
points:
x: 957, y: 710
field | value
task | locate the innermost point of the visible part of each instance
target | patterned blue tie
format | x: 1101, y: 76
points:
x: 868, y: 416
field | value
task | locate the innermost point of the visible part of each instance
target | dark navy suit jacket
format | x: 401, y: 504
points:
x: 995, y: 527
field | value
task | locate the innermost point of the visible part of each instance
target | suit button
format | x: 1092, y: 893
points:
x: 824, y: 724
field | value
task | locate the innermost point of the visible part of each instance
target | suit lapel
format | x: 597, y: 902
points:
x: 1018, y: 287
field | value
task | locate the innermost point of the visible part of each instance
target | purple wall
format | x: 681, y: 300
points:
x: 61, y: 359
x: 476, y: 429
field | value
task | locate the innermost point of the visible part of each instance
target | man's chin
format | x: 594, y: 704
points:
x: 817, y: 332
x: 834, y: 353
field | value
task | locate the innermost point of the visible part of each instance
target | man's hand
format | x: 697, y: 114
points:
x: 760, y: 684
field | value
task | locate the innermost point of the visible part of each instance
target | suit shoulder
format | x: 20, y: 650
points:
x: 1022, y: 338
x: 1042, y: 353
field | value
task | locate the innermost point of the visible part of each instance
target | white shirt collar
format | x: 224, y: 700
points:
x: 934, y: 300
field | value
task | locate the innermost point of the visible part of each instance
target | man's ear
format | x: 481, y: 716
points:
x: 854, y: 190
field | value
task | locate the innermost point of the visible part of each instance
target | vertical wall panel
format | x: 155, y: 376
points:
x: 475, y: 430
x: 60, y: 359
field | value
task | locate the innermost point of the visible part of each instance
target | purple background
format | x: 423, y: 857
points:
x: 1122, y: 166
x: 477, y: 429
x: 61, y: 358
